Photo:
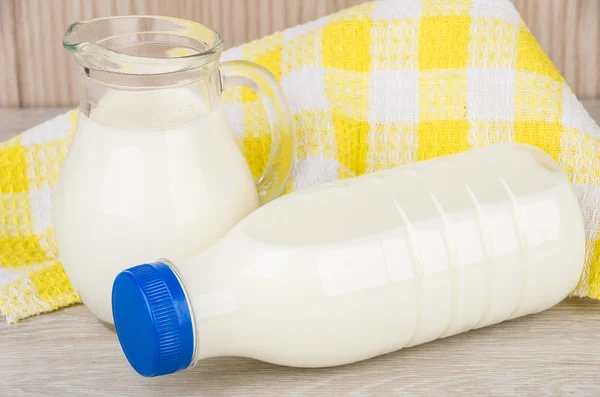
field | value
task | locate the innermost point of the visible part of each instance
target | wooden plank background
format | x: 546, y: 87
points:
x: 35, y: 71
x: 9, y: 80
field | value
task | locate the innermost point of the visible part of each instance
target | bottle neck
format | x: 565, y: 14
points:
x: 210, y: 280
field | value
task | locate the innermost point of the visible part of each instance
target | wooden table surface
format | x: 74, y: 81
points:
x: 68, y: 353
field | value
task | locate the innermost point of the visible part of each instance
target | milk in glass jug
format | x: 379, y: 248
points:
x: 153, y: 168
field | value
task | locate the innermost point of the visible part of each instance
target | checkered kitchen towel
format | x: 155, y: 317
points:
x: 371, y: 87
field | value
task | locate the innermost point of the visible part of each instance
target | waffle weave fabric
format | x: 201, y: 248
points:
x: 371, y: 87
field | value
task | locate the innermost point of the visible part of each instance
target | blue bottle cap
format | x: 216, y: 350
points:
x: 153, y: 320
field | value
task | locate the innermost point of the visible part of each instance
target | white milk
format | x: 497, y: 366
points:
x: 366, y: 266
x: 164, y: 177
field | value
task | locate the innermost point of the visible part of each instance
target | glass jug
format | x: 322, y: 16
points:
x: 154, y: 168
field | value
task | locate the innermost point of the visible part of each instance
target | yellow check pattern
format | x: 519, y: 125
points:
x: 372, y: 87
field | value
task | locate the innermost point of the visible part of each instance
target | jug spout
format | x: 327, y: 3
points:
x: 143, y: 45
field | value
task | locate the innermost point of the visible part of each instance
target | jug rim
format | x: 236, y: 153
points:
x: 199, y: 45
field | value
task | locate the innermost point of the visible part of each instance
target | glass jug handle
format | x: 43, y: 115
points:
x: 283, y: 143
